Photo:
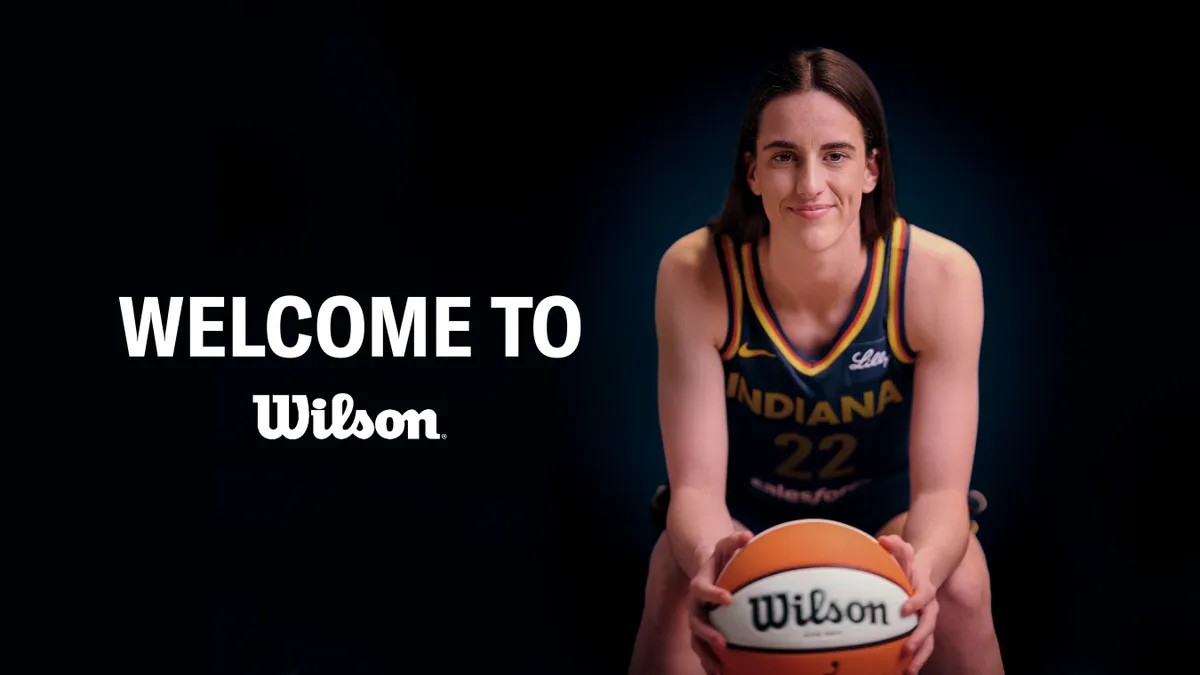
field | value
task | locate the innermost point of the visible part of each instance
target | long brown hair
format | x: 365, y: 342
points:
x: 825, y: 70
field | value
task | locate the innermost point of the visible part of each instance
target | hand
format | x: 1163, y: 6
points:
x: 703, y: 593
x: 923, y: 600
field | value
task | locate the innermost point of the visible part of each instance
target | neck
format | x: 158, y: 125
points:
x: 813, y: 280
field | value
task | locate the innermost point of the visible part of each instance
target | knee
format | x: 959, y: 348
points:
x: 967, y: 592
x: 666, y: 587
x: 662, y: 645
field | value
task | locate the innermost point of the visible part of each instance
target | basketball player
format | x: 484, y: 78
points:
x: 818, y: 359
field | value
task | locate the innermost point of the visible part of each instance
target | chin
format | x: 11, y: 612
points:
x: 816, y: 235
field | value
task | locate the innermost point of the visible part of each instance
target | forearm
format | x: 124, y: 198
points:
x: 938, y: 529
x: 696, y: 521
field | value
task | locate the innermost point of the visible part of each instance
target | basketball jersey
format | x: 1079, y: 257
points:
x: 808, y: 432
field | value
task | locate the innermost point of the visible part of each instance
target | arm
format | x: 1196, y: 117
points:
x: 945, y: 322
x: 691, y: 402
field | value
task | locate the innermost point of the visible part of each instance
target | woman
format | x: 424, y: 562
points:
x: 818, y: 359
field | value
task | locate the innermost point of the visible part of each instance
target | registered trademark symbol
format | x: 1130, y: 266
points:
x: 443, y: 437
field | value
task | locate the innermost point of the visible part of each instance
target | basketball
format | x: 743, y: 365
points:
x: 814, y: 597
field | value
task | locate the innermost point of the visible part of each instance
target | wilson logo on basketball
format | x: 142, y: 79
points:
x: 814, y: 596
x: 814, y: 608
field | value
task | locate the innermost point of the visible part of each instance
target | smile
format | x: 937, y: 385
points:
x: 811, y: 212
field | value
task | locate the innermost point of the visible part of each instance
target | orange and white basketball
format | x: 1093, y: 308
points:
x: 814, y: 597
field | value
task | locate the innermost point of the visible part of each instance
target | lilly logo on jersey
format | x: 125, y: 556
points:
x: 868, y: 359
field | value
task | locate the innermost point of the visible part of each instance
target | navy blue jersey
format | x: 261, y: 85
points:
x: 810, y: 433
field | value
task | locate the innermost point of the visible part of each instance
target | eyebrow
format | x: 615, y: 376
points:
x: 788, y: 145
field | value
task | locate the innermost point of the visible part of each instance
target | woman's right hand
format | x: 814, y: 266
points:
x: 704, y: 595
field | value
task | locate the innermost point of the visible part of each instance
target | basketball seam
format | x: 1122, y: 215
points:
x: 788, y: 523
x: 818, y: 650
x: 812, y: 520
x: 809, y: 567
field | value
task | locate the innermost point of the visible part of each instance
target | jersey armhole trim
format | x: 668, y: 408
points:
x: 897, y: 274
x: 731, y: 279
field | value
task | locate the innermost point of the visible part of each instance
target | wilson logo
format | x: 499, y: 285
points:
x: 341, y: 421
x: 815, y: 607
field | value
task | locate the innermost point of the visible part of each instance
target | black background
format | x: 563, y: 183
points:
x: 358, y: 151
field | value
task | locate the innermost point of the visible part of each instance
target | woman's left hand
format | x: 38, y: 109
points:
x: 923, y: 600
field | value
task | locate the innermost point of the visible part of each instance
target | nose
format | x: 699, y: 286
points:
x: 810, y: 179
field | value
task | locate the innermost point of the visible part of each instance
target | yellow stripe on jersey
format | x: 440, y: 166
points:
x: 735, y: 292
x: 900, y: 234
x: 805, y: 367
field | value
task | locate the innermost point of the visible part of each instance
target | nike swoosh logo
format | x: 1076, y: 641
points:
x: 746, y: 353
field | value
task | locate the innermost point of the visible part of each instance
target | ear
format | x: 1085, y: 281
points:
x: 752, y: 173
x: 871, y: 172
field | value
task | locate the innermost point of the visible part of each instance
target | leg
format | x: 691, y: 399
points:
x: 663, y: 645
x: 964, y: 640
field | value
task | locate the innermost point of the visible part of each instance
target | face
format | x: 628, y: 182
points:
x: 811, y: 168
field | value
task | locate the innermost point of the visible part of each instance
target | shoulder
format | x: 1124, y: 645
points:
x: 691, y: 264
x: 935, y: 261
x: 690, y: 282
x: 943, y: 291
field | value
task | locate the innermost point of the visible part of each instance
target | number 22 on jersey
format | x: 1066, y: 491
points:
x: 834, y: 450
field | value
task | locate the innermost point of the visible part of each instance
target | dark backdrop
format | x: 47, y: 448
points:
x: 358, y: 151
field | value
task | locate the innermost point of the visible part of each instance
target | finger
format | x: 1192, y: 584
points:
x: 703, y: 591
x: 924, y: 630
x: 900, y: 550
x: 897, y: 546
x: 921, y: 598
x: 922, y: 656
x: 729, y: 545
x: 708, y: 660
x: 706, y: 631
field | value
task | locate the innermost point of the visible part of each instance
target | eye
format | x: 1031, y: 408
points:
x: 838, y: 157
x: 783, y: 157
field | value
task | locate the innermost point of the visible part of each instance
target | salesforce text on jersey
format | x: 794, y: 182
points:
x: 382, y: 318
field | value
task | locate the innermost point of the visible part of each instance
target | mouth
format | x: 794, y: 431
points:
x: 811, y: 211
